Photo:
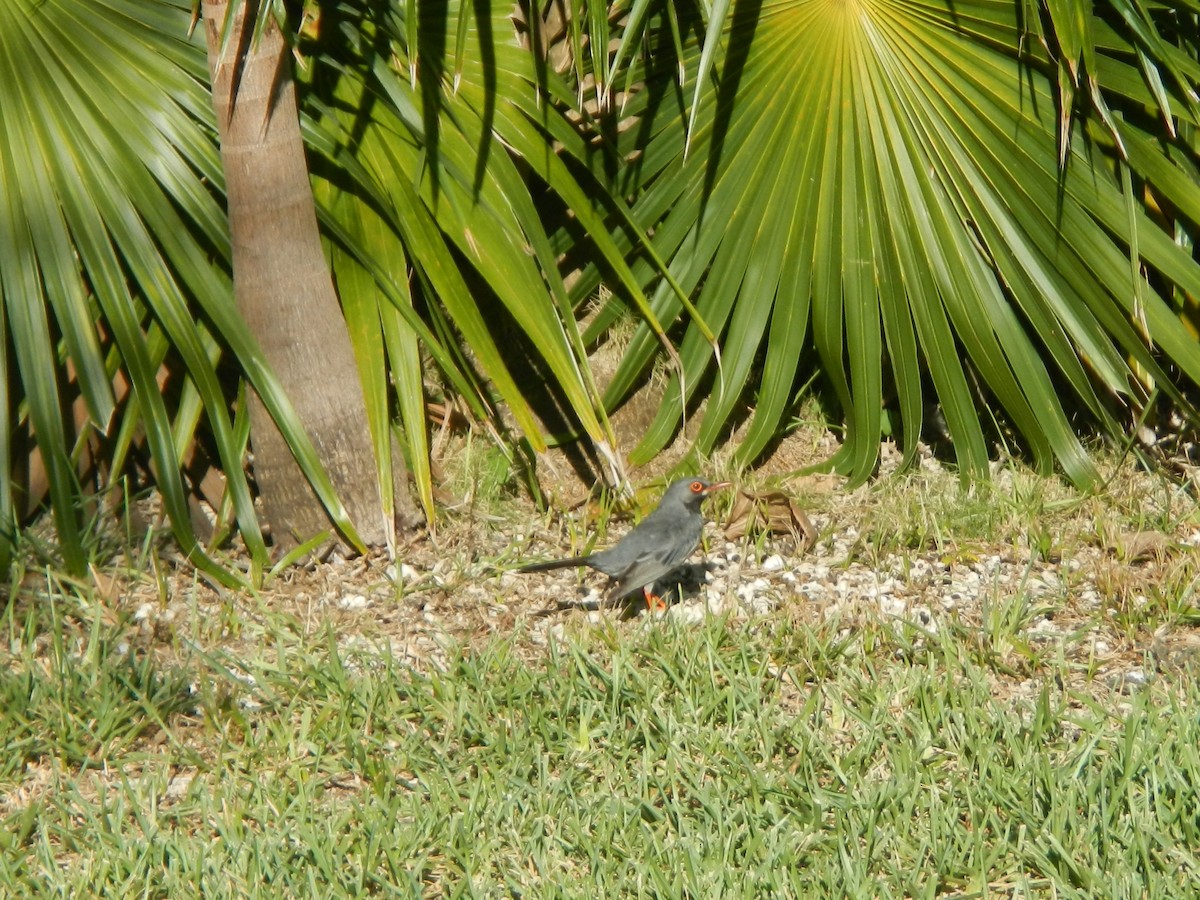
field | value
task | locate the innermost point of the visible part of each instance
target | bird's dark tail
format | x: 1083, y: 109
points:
x: 554, y: 564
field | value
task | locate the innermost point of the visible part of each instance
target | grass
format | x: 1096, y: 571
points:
x: 774, y: 761
x: 777, y: 757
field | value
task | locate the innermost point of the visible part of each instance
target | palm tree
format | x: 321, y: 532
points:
x: 114, y: 216
x: 981, y: 208
x: 283, y: 286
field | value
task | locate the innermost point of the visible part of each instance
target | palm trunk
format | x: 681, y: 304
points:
x: 283, y: 286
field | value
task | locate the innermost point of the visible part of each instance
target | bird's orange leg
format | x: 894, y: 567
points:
x: 654, y: 603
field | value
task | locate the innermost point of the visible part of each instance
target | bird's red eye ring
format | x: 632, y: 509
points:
x: 697, y: 487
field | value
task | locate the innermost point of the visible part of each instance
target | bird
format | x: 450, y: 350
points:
x: 655, y: 547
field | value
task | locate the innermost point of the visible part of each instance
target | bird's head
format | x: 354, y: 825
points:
x: 691, y: 491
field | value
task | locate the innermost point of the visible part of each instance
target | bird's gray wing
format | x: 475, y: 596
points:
x: 654, y: 535
x: 649, y: 552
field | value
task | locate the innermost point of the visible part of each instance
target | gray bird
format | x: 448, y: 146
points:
x: 654, y: 548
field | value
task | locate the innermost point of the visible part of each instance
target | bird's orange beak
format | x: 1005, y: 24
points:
x: 716, y: 487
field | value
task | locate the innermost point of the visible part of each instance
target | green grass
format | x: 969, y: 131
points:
x: 247, y: 749
x: 729, y: 760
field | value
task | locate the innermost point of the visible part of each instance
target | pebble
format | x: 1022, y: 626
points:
x: 773, y: 563
x: 1132, y: 680
x: 761, y: 605
x: 177, y: 787
x: 688, y: 613
x: 716, y: 603
x: 1044, y: 629
x: 353, y: 601
x: 923, y: 616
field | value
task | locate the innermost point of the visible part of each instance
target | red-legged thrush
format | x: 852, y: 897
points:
x: 657, y: 546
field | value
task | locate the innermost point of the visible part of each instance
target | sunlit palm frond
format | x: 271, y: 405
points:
x: 879, y: 180
x: 436, y: 137
x: 112, y: 236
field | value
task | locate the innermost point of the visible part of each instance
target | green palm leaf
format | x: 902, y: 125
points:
x: 889, y: 171
x: 110, y: 215
x: 430, y: 130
